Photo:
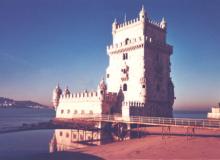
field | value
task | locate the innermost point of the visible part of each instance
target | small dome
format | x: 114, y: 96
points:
x: 163, y: 23
x: 102, y: 85
x: 66, y: 91
x: 142, y: 13
x: 58, y: 90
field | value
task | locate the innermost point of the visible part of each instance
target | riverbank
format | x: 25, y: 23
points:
x: 155, y: 147
x: 204, y: 145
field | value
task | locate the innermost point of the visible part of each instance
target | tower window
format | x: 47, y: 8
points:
x: 125, y: 87
x: 91, y: 112
x: 67, y: 135
x: 125, y: 56
x: 62, y: 111
x: 143, y: 86
x: 107, y: 75
x: 126, y: 41
x: 74, y: 136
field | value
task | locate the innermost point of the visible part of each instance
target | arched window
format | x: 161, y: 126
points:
x: 62, y: 111
x: 82, y: 112
x: 74, y: 136
x: 126, y: 55
x: 125, y: 87
x: 126, y: 41
x: 67, y: 135
x: 75, y: 112
x: 68, y: 111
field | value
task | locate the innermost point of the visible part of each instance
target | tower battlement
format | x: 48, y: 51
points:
x: 88, y: 96
x: 136, y: 21
x: 135, y: 43
x: 133, y: 103
x: 79, y: 95
x: 128, y: 43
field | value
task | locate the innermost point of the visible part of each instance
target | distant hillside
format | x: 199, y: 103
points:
x: 6, y: 102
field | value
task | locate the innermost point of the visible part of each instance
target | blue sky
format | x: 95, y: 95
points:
x: 43, y: 42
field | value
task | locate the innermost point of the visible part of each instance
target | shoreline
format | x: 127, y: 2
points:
x: 204, y: 144
x: 156, y: 147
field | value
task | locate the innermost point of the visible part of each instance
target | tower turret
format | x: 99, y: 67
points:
x: 102, y: 88
x: 66, y: 91
x: 163, y: 23
x: 56, y: 96
x: 114, y: 26
x: 142, y: 14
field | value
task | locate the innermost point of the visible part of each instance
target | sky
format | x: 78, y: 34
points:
x: 43, y: 42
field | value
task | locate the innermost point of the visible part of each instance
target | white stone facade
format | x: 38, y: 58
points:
x: 138, y: 75
x: 215, y: 113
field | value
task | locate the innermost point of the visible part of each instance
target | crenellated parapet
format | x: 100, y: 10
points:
x: 138, y: 42
x: 88, y: 96
x: 133, y: 104
x: 80, y: 95
x: 137, y: 21
x: 155, y: 23
x: 126, y: 45
x: 125, y: 25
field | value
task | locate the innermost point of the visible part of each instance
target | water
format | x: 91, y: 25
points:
x: 44, y: 144
x: 24, y: 145
x: 190, y: 114
x: 12, y: 117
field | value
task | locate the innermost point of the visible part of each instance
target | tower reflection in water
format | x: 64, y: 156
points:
x: 71, y: 139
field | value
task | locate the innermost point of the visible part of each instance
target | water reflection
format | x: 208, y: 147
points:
x: 71, y: 139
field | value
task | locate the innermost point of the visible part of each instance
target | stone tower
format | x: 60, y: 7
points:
x: 56, y: 96
x: 139, y: 64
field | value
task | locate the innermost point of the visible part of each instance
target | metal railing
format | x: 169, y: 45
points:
x: 156, y: 121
